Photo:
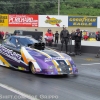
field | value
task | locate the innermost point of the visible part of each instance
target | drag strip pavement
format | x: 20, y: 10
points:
x: 91, y: 64
x: 84, y: 87
x: 11, y: 93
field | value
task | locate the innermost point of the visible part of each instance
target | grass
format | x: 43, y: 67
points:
x: 76, y: 11
x: 85, y: 9
x: 81, y: 11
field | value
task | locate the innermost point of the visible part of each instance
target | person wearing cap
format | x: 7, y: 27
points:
x: 64, y: 37
x: 78, y: 37
x: 56, y: 37
x: 49, y: 37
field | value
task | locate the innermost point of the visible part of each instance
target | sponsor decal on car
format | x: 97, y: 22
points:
x: 54, y: 58
x: 10, y: 53
x: 21, y: 68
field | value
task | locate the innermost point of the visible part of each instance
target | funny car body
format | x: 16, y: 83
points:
x: 27, y: 54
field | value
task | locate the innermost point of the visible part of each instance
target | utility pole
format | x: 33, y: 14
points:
x: 58, y: 7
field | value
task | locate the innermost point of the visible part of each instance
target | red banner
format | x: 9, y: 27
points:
x: 23, y: 20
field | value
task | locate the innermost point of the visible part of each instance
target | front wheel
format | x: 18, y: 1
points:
x: 32, y: 69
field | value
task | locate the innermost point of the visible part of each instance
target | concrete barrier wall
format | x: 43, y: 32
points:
x: 84, y: 49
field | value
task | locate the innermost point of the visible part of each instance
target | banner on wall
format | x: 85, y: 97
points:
x: 98, y: 22
x: 23, y: 20
x: 53, y: 21
x: 3, y: 19
x: 82, y: 21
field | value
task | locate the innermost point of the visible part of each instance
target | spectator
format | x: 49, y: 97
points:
x: 78, y: 37
x: 86, y: 35
x: 1, y: 37
x: 2, y: 34
x: 97, y: 32
x: 49, y: 37
x: 56, y: 37
x: 73, y: 35
x: 98, y: 36
x: 36, y: 30
x: 64, y: 37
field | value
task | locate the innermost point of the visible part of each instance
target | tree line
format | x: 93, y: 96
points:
x: 43, y: 7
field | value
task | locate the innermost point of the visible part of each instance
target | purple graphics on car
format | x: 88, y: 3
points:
x: 27, y: 54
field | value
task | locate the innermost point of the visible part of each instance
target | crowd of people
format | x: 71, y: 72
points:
x: 64, y: 37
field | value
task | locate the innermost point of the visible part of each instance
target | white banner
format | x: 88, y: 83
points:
x: 98, y: 22
x: 88, y: 43
x: 53, y: 21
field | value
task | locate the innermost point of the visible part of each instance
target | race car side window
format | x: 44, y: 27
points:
x: 17, y: 43
x: 12, y: 40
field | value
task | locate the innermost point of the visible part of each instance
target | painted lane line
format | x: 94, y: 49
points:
x: 24, y: 95
x: 92, y: 64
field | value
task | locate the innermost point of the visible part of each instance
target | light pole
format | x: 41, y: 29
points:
x: 58, y: 7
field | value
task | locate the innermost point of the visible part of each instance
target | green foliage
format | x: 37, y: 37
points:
x: 15, y: 6
x: 4, y: 9
x: 67, y: 7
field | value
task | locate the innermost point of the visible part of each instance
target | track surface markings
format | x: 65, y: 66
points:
x: 92, y: 64
x: 24, y: 95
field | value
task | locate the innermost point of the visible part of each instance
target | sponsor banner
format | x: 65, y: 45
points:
x: 98, y: 22
x: 53, y: 21
x: 82, y: 21
x: 23, y: 20
x: 3, y: 19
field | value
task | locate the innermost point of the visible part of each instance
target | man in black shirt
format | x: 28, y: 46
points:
x: 64, y: 37
x: 73, y: 35
x: 78, y: 37
x: 56, y: 37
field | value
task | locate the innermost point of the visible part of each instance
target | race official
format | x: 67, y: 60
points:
x: 78, y: 37
x: 64, y: 37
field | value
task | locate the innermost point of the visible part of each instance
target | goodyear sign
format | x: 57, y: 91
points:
x: 3, y: 19
x: 82, y: 21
